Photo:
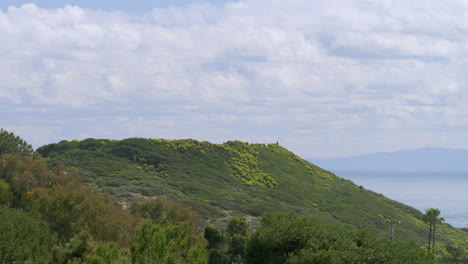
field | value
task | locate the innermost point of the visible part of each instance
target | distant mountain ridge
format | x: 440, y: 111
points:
x: 424, y: 159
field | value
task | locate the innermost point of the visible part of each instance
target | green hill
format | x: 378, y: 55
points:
x: 218, y: 180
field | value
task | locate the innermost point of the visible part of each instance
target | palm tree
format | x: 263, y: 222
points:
x: 428, y: 219
x: 432, y: 218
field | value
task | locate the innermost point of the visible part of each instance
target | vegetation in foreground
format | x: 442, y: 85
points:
x: 289, y: 238
x: 51, y: 217
x: 59, y: 219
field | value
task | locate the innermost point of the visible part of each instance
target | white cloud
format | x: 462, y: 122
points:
x: 256, y: 69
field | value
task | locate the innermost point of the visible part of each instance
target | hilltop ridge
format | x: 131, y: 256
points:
x: 233, y: 178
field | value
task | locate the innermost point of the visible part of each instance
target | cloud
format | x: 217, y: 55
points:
x: 251, y: 69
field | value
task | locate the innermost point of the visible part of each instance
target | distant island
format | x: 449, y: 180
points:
x: 424, y: 159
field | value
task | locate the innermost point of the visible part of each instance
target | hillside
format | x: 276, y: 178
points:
x: 217, y: 180
x: 425, y: 159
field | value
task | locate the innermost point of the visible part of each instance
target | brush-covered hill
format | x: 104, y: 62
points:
x: 217, y: 180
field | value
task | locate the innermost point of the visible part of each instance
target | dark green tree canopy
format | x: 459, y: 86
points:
x: 237, y: 226
x: 9, y: 143
x: 292, y: 239
x: 213, y: 237
x: 24, y: 238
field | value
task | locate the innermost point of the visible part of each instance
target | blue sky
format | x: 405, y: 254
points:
x: 324, y: 78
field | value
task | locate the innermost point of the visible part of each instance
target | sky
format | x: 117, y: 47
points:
x: 323, y: 78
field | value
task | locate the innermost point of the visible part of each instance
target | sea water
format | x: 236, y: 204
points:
x: 447, y: 191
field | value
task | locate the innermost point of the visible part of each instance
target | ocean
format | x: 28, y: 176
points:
x: 447, y: 191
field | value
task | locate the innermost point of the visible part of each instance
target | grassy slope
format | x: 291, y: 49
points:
x: 237, y: 177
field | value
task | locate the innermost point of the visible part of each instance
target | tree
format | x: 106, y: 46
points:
x: 163, y: 211
x: 70, y: 210
x: 293, y: 239
x: 9, y: 143
x: 432, y: 218
x: 213, y: 237
x: 20, y: 175
x: 170, y: 234
x: 6, y: 195
x: 166, y: 244
x: 24, y: 239
x: 103, y: 253
x: 75, y: 249
x: 237, y: 226
x: 227, y: 248
x: 237, y: 230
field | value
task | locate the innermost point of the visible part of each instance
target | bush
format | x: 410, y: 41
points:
x: 289, y: 238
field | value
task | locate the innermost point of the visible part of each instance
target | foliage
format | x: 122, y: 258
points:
x: 174, y: 226
x: 91, y: 227
x: 72, y: 209
x: 228, y: 247
x: 58, y: 198
x: 216, y: 181
x: 218, y: 256
x: 432, y: 219
x: 24, y: 238
x: 163, y: 211
x: 73, y: 249
x: 9, y: 143
x: 453, y: 254
x: 209, y: 179
x: 289, y: 238
x: 165, y: 244
x: 6, y: 195
x: 237, y: 226
x: 21, y: 175
x: 213, y: 236
x: 246, y: 164
x: 103, y: 253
